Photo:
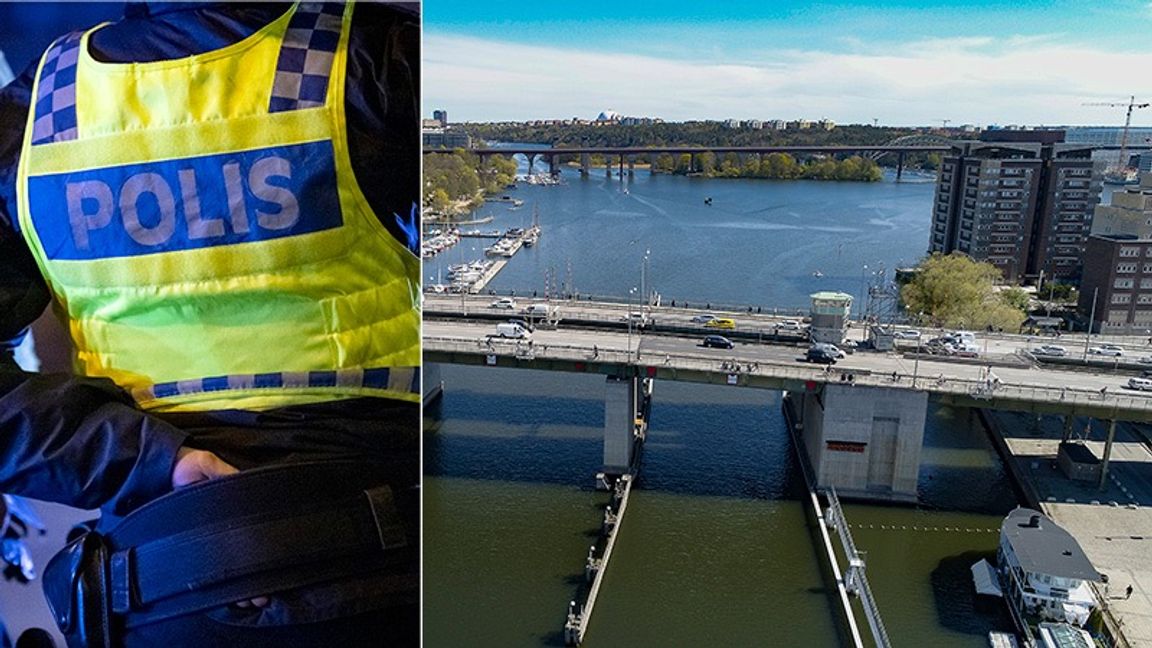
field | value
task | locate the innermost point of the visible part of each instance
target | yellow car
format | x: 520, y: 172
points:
x: 720, y: 323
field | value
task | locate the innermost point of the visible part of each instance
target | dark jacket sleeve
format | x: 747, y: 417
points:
x: 64, y: 439
x: 81, y: 442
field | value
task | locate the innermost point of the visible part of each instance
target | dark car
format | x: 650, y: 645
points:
x: 820, y: 355
x: 718, y: 342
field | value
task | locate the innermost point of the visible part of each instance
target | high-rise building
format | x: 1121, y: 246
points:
x: 1020, y: 200
x: 441, y: 116
x: 1116, y: 292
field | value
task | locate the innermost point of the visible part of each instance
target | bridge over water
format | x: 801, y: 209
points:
x: 626, y: 156
x: 869, y: 403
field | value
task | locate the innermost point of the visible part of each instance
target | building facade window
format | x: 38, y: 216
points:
x: 1128, y: 251
x: 1126, y: 267
x: 1125, y: 283
x: 1121, y: 298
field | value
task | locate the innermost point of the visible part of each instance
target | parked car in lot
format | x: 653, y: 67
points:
x: 1050, y: 350
x: 908, y: 334
x: 1141, y: 384
x: 703, y: 318
x: 966, y: 350
x: 717, y: 342
x: 820, y: 354
x: 1107, y: 350
x: 720, y: 323
x: 504, y: 303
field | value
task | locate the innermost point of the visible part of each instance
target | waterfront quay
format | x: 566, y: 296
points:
x: 1111, y: 521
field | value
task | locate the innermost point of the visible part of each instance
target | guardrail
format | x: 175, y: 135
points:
x: 975, y: 389
x: 856, y: 576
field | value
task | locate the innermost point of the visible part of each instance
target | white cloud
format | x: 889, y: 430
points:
x: 1023, y: 79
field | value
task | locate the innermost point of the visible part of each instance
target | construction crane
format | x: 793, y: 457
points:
x: 1121, y: 172
x: 943, y: 123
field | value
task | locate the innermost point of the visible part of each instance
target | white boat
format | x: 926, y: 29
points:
x: 1002, y: 640
x: 1041, y: 572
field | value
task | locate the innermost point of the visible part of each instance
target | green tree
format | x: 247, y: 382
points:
x: 706, y: 163
x: 1015, y: 297
x: 955, y: 291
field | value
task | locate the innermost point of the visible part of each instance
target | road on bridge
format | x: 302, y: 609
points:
x: 653, y: 348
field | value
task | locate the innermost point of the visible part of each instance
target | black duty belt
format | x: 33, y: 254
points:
x: 257, y: 532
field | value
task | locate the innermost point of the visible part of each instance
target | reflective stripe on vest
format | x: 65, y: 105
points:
x: 201, y: 228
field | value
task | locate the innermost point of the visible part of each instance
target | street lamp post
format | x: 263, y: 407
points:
x: 1091, y: 321
x: 863, y: 288
x: 631, y: 291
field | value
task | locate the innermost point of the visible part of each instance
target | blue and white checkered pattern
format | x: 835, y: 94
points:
x: 396, y: 379
x: 56, y: 93
x: 305, y: 62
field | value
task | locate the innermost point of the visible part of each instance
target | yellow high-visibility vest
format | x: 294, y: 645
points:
x: 200, y: 226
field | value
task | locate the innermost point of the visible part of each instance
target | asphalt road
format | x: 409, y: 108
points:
x: 654, y: 347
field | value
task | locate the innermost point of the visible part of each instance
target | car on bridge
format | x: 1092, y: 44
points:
x: 1145, y: 359
x: 831, y: 349
x: 720, y: 323
x: 1053, y: 350
x: 820, y: 354
x: 789, y: 325
x: 639, y: 320
x: 504, y: 303
x: 1140, y: 384
x: 512, y: 330
x: 907, y: 334
x: 522, y: 323
x: 703, y: 318
x: 717, y: 342
x: 1107, y: 350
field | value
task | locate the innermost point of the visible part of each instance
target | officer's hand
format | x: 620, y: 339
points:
x: 197, y: 465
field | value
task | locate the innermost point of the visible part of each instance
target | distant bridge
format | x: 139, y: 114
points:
x: 626, y: 155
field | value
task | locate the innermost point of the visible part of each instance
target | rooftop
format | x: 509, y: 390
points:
x: 1041, y: 546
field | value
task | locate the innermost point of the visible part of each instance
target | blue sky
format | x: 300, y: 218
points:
x: 905, y: 63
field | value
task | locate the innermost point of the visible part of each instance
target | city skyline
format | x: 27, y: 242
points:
x: 909, y: 64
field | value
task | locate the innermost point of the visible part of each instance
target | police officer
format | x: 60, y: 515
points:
x: 219, y: 201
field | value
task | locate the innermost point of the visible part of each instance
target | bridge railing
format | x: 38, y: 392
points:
x: 736, y: 367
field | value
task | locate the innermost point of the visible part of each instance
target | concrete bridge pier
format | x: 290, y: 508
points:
x: 553, y: 164
x: 585, y: 164
x: 627, y: 404
x: 693, y: 164
x: 608, y: 166
x: 531, y: 162
x: 631, y: 165
x: 899, y: 165
x: 864, y: 441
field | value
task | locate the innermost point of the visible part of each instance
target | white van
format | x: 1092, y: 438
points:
x: 1142, y: 384
x: 538, y: 310
x: 512, y: 330
x: 964, y: 336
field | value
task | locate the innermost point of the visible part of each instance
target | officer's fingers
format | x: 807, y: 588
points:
x: 259, y: 601
x: 197, y: 465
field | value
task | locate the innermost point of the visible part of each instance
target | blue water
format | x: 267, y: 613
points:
x: 758, y: 243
